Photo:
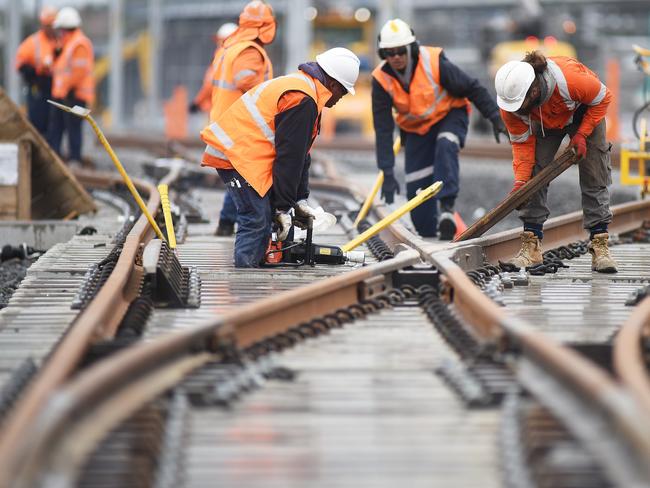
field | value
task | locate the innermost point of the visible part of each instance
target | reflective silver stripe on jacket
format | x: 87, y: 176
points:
x: 214, y: 152
x: 601, y: 94
x: 224, y: 85
x: 243, y: 74
x: 562, y: 84
x: 304, y: 78
x: 221, y: 135
x: 37, y: 51
x: 520, y: 137
x: 419, y: 174
x: 255, y: 113
x: 438, y: 94
x: 450, y: 136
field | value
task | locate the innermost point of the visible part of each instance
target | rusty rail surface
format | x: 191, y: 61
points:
x: 46, y: 440
x: 97, y: 321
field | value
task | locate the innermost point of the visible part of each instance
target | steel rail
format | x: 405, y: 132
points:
x: 97, y: 321
x: 269, y: 316
x: 75, y: 401
x: 629, y: 361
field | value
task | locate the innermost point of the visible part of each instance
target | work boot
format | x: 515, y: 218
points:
x: 530, y: 253
x: 225, y: 228
x: 447, y: 226
x: 601, y: 260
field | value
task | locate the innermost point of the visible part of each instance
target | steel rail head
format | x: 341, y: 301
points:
x: 99, y: 319
x: 629, y: 360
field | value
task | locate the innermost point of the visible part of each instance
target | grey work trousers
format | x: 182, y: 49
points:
x: 595, y: 176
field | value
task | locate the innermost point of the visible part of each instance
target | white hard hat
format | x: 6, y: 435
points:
x: 67, y: 18
x: 395, y: 33
x: 512, y: 82
x: 342, y: 65
x: 226, y: 29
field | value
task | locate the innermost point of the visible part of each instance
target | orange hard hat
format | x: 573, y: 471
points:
x: 259, y: 15
x: 47, y: 16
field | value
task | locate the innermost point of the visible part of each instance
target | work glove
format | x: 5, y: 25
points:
x: 283, y: 222
x: 579, y: 143
x: 389, y: 187
x: 498, y: 128
x: 303, y: 213
x: 193, y: 108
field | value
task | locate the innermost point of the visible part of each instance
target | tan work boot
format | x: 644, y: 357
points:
x: 601, y: 260
x: 530, y: 253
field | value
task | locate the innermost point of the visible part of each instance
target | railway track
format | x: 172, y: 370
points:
x: 283, y: 377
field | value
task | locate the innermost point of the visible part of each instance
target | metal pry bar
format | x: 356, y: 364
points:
x: 521, y: 196
x: 84, y: 113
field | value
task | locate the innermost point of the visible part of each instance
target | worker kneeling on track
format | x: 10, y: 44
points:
x: 260, y: 147
x: 431, y: 96
x: 542, y: 100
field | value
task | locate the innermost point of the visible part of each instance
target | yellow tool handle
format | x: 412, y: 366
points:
x: 397, y: 145
x: 369, y: 199
x: 378, y: 182
x: 167, y: 213
x: 125, y: 177
x: 421, y: 197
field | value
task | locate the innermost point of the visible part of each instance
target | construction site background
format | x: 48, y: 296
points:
x: 165, y: 47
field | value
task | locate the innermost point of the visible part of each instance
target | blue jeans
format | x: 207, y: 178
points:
x: 61, y: 122
x: 254, y: 219
x: 434, y: 157
x: 228, y: 210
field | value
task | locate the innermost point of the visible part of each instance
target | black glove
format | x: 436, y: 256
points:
x: 498, y: 127
x: 28, y: 73
x: 193, y: 108
x: 389, y: 187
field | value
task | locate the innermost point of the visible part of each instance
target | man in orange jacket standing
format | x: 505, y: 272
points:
x: 239, y: 65
x: 542, y: 100
x: 203, y: 99
x: 260, y: 147
x: 34, y: 60
x: 73, y: 82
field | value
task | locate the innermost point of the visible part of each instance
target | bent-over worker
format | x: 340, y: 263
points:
x: 260, y: 147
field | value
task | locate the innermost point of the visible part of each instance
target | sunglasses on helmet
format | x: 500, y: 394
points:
x: 397, y: 51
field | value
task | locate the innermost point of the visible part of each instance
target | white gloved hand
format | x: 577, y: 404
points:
x: 283, y: 221
x: 304, y: 211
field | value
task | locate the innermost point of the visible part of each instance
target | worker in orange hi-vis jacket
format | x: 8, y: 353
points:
x: 203, y: 99
x: 239, y: 65
x: 73, y: 82
x: 260, y: 146
x: 34, y: 60
x: 542, y: 100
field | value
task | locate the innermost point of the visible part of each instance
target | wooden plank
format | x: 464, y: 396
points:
x: 520, y: 197
x: 8, y: 202
x: 48, y: 173
x: 24, y: 196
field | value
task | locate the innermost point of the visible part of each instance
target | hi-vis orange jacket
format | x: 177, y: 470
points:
x: 204, y: 97
x: 427, y: 102
x: 570, y: 84
x: 237, y: 68
x: 73, y: 69
x: 37, y: 51
x: 244, y: 136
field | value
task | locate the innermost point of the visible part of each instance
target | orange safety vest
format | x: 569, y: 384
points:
x: 37, y: 51
x: 224, y: 81
x: 204, y: 97
x: 245, y: 134
x: 572, y: 84
x: 426, y: 102
x: 73, y: 69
